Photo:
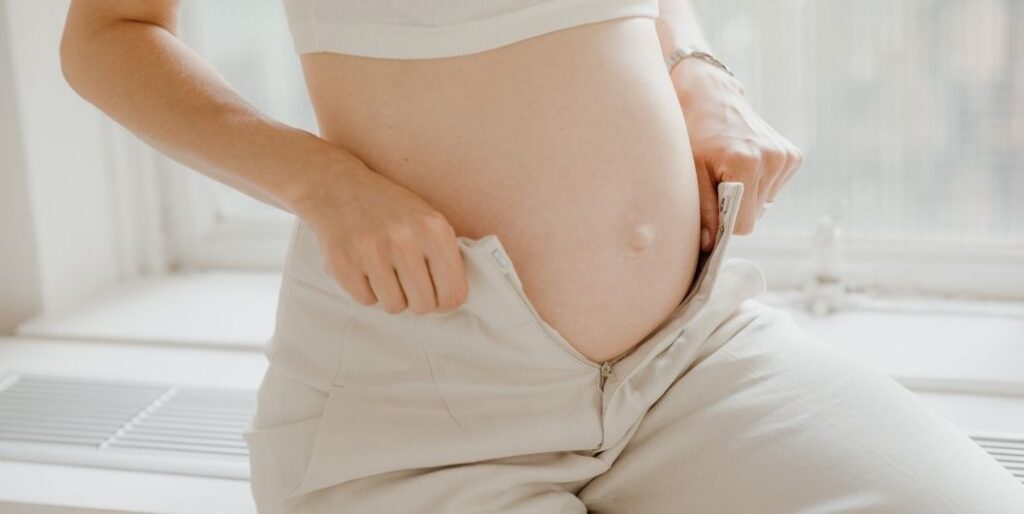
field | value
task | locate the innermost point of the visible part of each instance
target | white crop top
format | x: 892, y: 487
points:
x: 423, y: 29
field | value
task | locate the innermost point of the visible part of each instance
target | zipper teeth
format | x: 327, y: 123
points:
x: 604, y: 368
x: 605, y: 374
x: 535, y: 317
x: 709, y: 261
x: 728, y: 209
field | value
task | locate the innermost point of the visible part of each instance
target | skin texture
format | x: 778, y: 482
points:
x: 581, y: 161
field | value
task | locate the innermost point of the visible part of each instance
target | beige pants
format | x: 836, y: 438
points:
x: 728, y: 407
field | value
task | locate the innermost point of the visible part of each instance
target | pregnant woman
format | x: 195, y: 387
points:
x: 505, y: 289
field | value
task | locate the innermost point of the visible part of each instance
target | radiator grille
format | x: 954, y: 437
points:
x: 176, y: 429
x: 1007, y: 450
x: 125, y: 425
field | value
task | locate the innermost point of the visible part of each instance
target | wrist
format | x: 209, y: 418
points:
x: 320, y: 182
x: 694, y: 79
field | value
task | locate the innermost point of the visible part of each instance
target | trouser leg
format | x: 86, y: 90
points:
x: 529, y: 484
x: 777, y: 422
x: 541, y: 483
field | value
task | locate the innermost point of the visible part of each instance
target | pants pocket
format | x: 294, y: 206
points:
x: 279, y: 458
x: 500, y: 374
x: 281, y: 436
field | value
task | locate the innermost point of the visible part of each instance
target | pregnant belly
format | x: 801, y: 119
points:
x: 570, y: 146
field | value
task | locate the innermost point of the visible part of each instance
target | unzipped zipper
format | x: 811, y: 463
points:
x: 605, y: 372
x: 535, y: 317
x: 604, y: 369
x: 727, y: 198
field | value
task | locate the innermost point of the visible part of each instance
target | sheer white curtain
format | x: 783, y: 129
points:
x: 210, y: 225
x: 248, y: 42
x: 911, y: 111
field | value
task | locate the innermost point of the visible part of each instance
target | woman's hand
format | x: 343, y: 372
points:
x: 730, y: 142
x: 382, y: 242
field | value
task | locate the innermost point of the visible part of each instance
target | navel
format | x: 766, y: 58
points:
x: 641, y: 238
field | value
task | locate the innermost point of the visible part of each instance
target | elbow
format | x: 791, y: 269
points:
x: 70, y: 57
x: 65, y: 60
x: 79, y: 44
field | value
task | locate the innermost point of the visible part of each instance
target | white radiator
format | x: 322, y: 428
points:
x: 176, y: 429
x: 125, y: 425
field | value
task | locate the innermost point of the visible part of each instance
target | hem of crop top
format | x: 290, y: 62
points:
x: 406, y: 42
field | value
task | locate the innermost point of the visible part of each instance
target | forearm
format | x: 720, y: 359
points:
x: 143, y: 77
x: 677, y: 26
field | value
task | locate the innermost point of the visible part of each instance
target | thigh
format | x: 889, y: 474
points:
x: 528, y: 484
x: 777, y: 422
x: 539, y: 483
x: 477, y: 410
x: 292, y: 407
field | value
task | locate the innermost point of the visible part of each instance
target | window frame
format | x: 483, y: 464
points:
x: 201, y: 238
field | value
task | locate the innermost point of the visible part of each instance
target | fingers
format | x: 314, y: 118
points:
x: 352, y: 279
x: 414, y: 278
x: 773, y: 164
x: 384, y: 281
x: 744, y: 166
x: 763, y: 168
x: 450, y: 285
x: 708, y: 207
x: 794, y: 158
x: 420, y: 269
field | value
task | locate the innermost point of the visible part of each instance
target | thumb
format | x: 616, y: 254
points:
x: 708, y: 206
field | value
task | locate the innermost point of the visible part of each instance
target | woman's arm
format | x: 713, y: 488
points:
x: 729, y: 140
x: 677, y: 26
x: 124, y: 57
x: 380, y: 241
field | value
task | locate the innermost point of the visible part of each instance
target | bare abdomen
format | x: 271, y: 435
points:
x: 570, y: 146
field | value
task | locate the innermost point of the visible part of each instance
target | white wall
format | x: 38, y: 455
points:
x: 62, y: 167
x: 20, y: 295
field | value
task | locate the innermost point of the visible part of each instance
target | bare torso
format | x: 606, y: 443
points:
x: 570, y: 146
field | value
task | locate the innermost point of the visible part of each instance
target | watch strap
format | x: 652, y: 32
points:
x: 685, y: 52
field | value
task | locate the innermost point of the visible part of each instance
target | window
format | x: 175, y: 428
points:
x: 910, y: 111
x: 906, y: 108
x: 213, y: 225
x: 905, y: 111
x: 248, y: 42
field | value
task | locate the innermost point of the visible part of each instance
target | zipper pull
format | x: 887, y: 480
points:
x: 606, y: 372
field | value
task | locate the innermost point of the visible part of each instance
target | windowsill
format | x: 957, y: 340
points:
x: 926, y: 344
x: 207, y: 309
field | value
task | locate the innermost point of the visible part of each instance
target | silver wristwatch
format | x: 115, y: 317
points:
x: 684, y: 52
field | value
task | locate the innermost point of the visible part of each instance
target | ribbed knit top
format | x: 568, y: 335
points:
x: 423, y: 29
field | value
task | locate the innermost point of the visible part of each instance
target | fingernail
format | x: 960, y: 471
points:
x: 705, y: 238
